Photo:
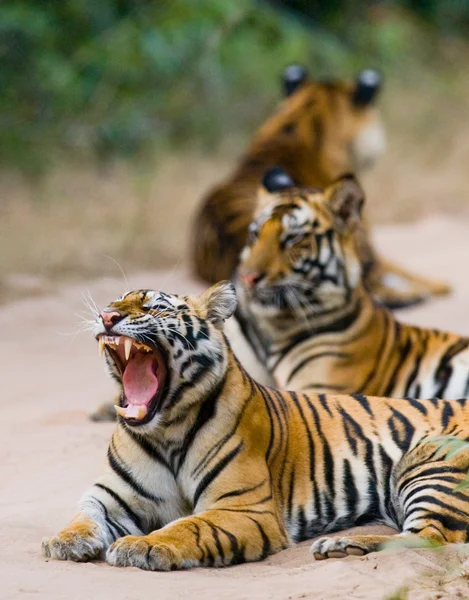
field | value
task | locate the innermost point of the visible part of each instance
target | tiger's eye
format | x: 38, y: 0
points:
x: 294, y: 239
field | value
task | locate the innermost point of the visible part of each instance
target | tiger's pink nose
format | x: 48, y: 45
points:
x: 250, y: 279
x: 110, y: 318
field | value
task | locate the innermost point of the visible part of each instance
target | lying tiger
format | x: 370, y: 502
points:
x: 306, y: 310
x: 321, y: 131
x: 208, y: 468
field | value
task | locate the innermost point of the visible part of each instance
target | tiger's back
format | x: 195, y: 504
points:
x: 376, y: 355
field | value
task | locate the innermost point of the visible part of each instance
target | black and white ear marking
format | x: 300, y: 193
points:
x: 345, y: 199
x: 276, y: 179
x: 219, y: 301
x: 292, y: 77
x: 367, y: 86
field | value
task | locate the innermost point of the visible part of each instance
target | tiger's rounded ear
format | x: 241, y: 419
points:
x: 367, y: 86
x: 292, y: 77
x: 219, y: 302
x: 276, y: 179
x: 345, y: 198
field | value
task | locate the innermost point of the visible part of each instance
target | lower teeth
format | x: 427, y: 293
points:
x: 139, y: 414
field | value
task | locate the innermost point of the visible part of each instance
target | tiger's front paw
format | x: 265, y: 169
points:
x: 79, y: 543
x: 144, y: 553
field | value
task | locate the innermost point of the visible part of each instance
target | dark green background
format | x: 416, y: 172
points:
x: 121, y: 77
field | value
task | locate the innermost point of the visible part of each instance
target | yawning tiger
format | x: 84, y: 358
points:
x: 207, y: 467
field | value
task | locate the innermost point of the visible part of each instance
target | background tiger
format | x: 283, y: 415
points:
x: 306, y: 309
x: 206, y: 467
x: 321, y: 131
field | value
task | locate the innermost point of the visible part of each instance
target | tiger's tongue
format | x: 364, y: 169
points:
x: 140, y: 384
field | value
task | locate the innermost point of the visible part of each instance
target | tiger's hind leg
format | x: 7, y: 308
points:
x: 358, y: 545
x: 428, y: 507
x: 396, y: 287
x: 354, y: 545
x: 426, y: 494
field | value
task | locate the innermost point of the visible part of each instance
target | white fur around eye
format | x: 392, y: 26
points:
x: 149, y: 298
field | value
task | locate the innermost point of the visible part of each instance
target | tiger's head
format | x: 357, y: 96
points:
x: 333, y: 124
x: 166, y: 352
x: 302, y: 254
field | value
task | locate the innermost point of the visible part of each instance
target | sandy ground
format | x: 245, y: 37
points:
x: 50, y: 452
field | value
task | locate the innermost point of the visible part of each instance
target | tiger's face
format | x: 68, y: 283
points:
x: 301, y: 255
x: 165, y: 351
x: 335, y: 123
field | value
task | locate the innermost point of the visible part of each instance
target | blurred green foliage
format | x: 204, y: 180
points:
x: 124, y: 76
x: 451, y: 16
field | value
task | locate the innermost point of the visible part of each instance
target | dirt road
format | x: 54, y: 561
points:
x: 50, y: 453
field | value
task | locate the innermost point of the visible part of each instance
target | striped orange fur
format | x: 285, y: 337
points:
x: 317, y: 134
x: 220, y: 470
x: 306, y: 308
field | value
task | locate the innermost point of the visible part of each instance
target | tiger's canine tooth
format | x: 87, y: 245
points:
x: 127, y: 347
x: 101, y: 346
x: 120, y: 410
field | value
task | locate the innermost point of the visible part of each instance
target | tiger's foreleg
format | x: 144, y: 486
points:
x: 212, y: 538
x: 103, y: 517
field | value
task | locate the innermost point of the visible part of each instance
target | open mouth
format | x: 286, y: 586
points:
x: 143, y: 373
